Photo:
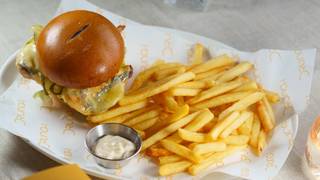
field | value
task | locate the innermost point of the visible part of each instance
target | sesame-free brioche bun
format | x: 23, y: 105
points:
x: 80, y: 49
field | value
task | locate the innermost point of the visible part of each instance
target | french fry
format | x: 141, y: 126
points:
x: 261, y: 142
x: 245, y: 115
x: 206, y: 128
x: 235, y: 132
x: 157, y: 152
x: 220, y: 100
x: 211, y: 73
x: 197, y: 56
x: 173, y: 168
x: 215, y: 91
x: 243, y: 103
x: 256, y: 126
x: 118, y: 111
x: 168, y: 130
x: 169, y: 159
x: 180, y: 100
x: 146, y: 124
x: 247, y: 86
x: 267, y: 104
x: 143, y: 76
x: 200, y: 120
x: 122, y: 118
x: 222, y: 124
x: 180, y: 150
x: 180, y: 113
x: 264, y: 116
x: 272, y: 96
x: 168, y: 72
x: 191, y: 136
x: 157, y: 62
x: 183, y: 91
x: 236, y: 140
x: 219, y: 61
x: 245, y: 128
x: 214, y: 158
x: 142, y: 117
x: 211, y: 78
x: 170, y: 104
x: 193, y: 85
x: 235, y: 71
x: 209, y: 147
x: 181, y: 78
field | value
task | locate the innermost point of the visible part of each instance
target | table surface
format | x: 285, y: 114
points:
x: 246, y: 25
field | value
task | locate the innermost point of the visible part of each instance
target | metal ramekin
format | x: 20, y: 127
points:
x: 112, y: 129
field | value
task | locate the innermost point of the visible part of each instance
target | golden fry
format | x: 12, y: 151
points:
x: 183, y: 92
x: 236, y: 140
x: 146, y: 124
x: 223, y: 124
x: 161, y: 88
x: 191, y: 136
x: 200, y: 120
x: 273, y: 97
x: 215, y: 91
x: 220, y: 100
x: 209, y: 147
x: 197, y: 56
x: 216, y: 62
x: 211, y: 73
x: 118, y: 111
x: 247, y: 86
x: 245, y: 128
x: 169, y: 159
x: 168, y: 130
x: 214, y: 158
x: 168, y: 72
x: 142, y: 117
x: 180, y: 150
x: 264, y: 116
x: 256, y: 126
x: 173, y: 168
x: 180, y: 113
x: 235, y: 71
x: 242, y: 104
x: 193, y: 85
x: 245, y: 115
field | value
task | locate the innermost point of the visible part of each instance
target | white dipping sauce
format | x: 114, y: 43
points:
x: 114, y: 147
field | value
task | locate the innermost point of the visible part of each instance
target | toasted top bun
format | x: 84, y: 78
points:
x: 80, y: 49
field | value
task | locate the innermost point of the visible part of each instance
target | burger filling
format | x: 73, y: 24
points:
x: 87, y: 101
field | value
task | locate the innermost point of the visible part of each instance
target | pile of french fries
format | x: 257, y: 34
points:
x: 193, y: 116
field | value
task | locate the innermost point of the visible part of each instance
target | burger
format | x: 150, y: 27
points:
x: 78, y: 58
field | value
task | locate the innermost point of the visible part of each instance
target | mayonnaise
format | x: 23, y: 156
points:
x: 114, y: 147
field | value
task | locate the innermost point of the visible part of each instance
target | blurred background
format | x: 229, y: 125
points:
x: 247, y: 25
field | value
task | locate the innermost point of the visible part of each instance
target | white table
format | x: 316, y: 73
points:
x: 244, y: 24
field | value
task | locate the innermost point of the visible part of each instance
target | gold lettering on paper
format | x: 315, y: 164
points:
x: 270, y: 161
x: 167, y: 48
x: 245, y: 157
x: 273, y: 53
x: 67, y: 153
x: 301, y: 64
x: 256, y: 74
x: 286, y: 100
x: 69, y: 123
x: 287, y: 132
x: 20, y: 116
x: 244, y: 172
x: 43, y: 140
x: 118, y: 171
x: 144, y: 54
x: 308, y: 100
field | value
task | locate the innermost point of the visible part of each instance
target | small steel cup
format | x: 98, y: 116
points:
x: 112, y: 129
